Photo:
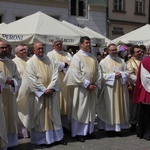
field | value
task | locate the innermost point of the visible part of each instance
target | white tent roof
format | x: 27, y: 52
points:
x: 95, y: 34
x: 3, y: 24
x: 38, y: 27
x: 81, y: 32
x: 139, y: 36
x: 76, y: 29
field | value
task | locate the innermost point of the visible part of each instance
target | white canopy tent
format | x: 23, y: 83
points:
x: 95, y: 34
x: 38, y: 27
x: 140, y: 36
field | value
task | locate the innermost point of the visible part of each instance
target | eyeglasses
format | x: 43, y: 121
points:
x: 3, y: 47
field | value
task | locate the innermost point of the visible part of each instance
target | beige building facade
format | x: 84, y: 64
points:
x: 126, y: 15
x: 83, y: 13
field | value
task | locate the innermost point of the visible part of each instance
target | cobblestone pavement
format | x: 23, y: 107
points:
x: 128, y: 141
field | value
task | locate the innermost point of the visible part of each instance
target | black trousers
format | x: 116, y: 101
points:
x: 143, y: 130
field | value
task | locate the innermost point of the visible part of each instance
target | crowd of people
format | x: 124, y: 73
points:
x: 46, y: 95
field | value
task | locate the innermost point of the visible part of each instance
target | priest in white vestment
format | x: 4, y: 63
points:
x: 8, y: 94
x: 20, y: 61
x: 113, y: 104
x: 63, y: 58
x: 40, y: 112
x: 80, y: 87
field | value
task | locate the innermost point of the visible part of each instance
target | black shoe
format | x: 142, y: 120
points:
x: 101, y: 130
x: 147, y: 138
x: 119, y: 134
x: 66, y: 131
x: 133, y: 128
x: 80, y: 138
x: 9, y: 148
x: 110, y: 133
x: 63, y: 142
x: 93, y: 136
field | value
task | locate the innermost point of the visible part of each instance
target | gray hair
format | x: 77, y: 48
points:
x: 17, y: 48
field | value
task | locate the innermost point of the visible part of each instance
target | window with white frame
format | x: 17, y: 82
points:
x: 119, y: 5
x: 78, y: 8
x: 139, y: 6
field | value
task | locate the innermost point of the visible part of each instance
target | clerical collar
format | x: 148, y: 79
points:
x: 38, y: 57
x: 84, y: 53
x: 111, y: 57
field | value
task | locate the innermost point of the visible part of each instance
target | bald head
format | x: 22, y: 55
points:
x: 36, y: 45
x: 38, y: 49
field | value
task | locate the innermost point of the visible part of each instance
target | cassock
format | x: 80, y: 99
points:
x: 81, y: 102
x: 8, y: 94
x: 40, y: 113
x: 113, y: 101
x: 142, y: 87
x: 141, y: 96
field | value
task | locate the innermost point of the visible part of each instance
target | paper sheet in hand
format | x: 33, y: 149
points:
x: 116, y: 69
